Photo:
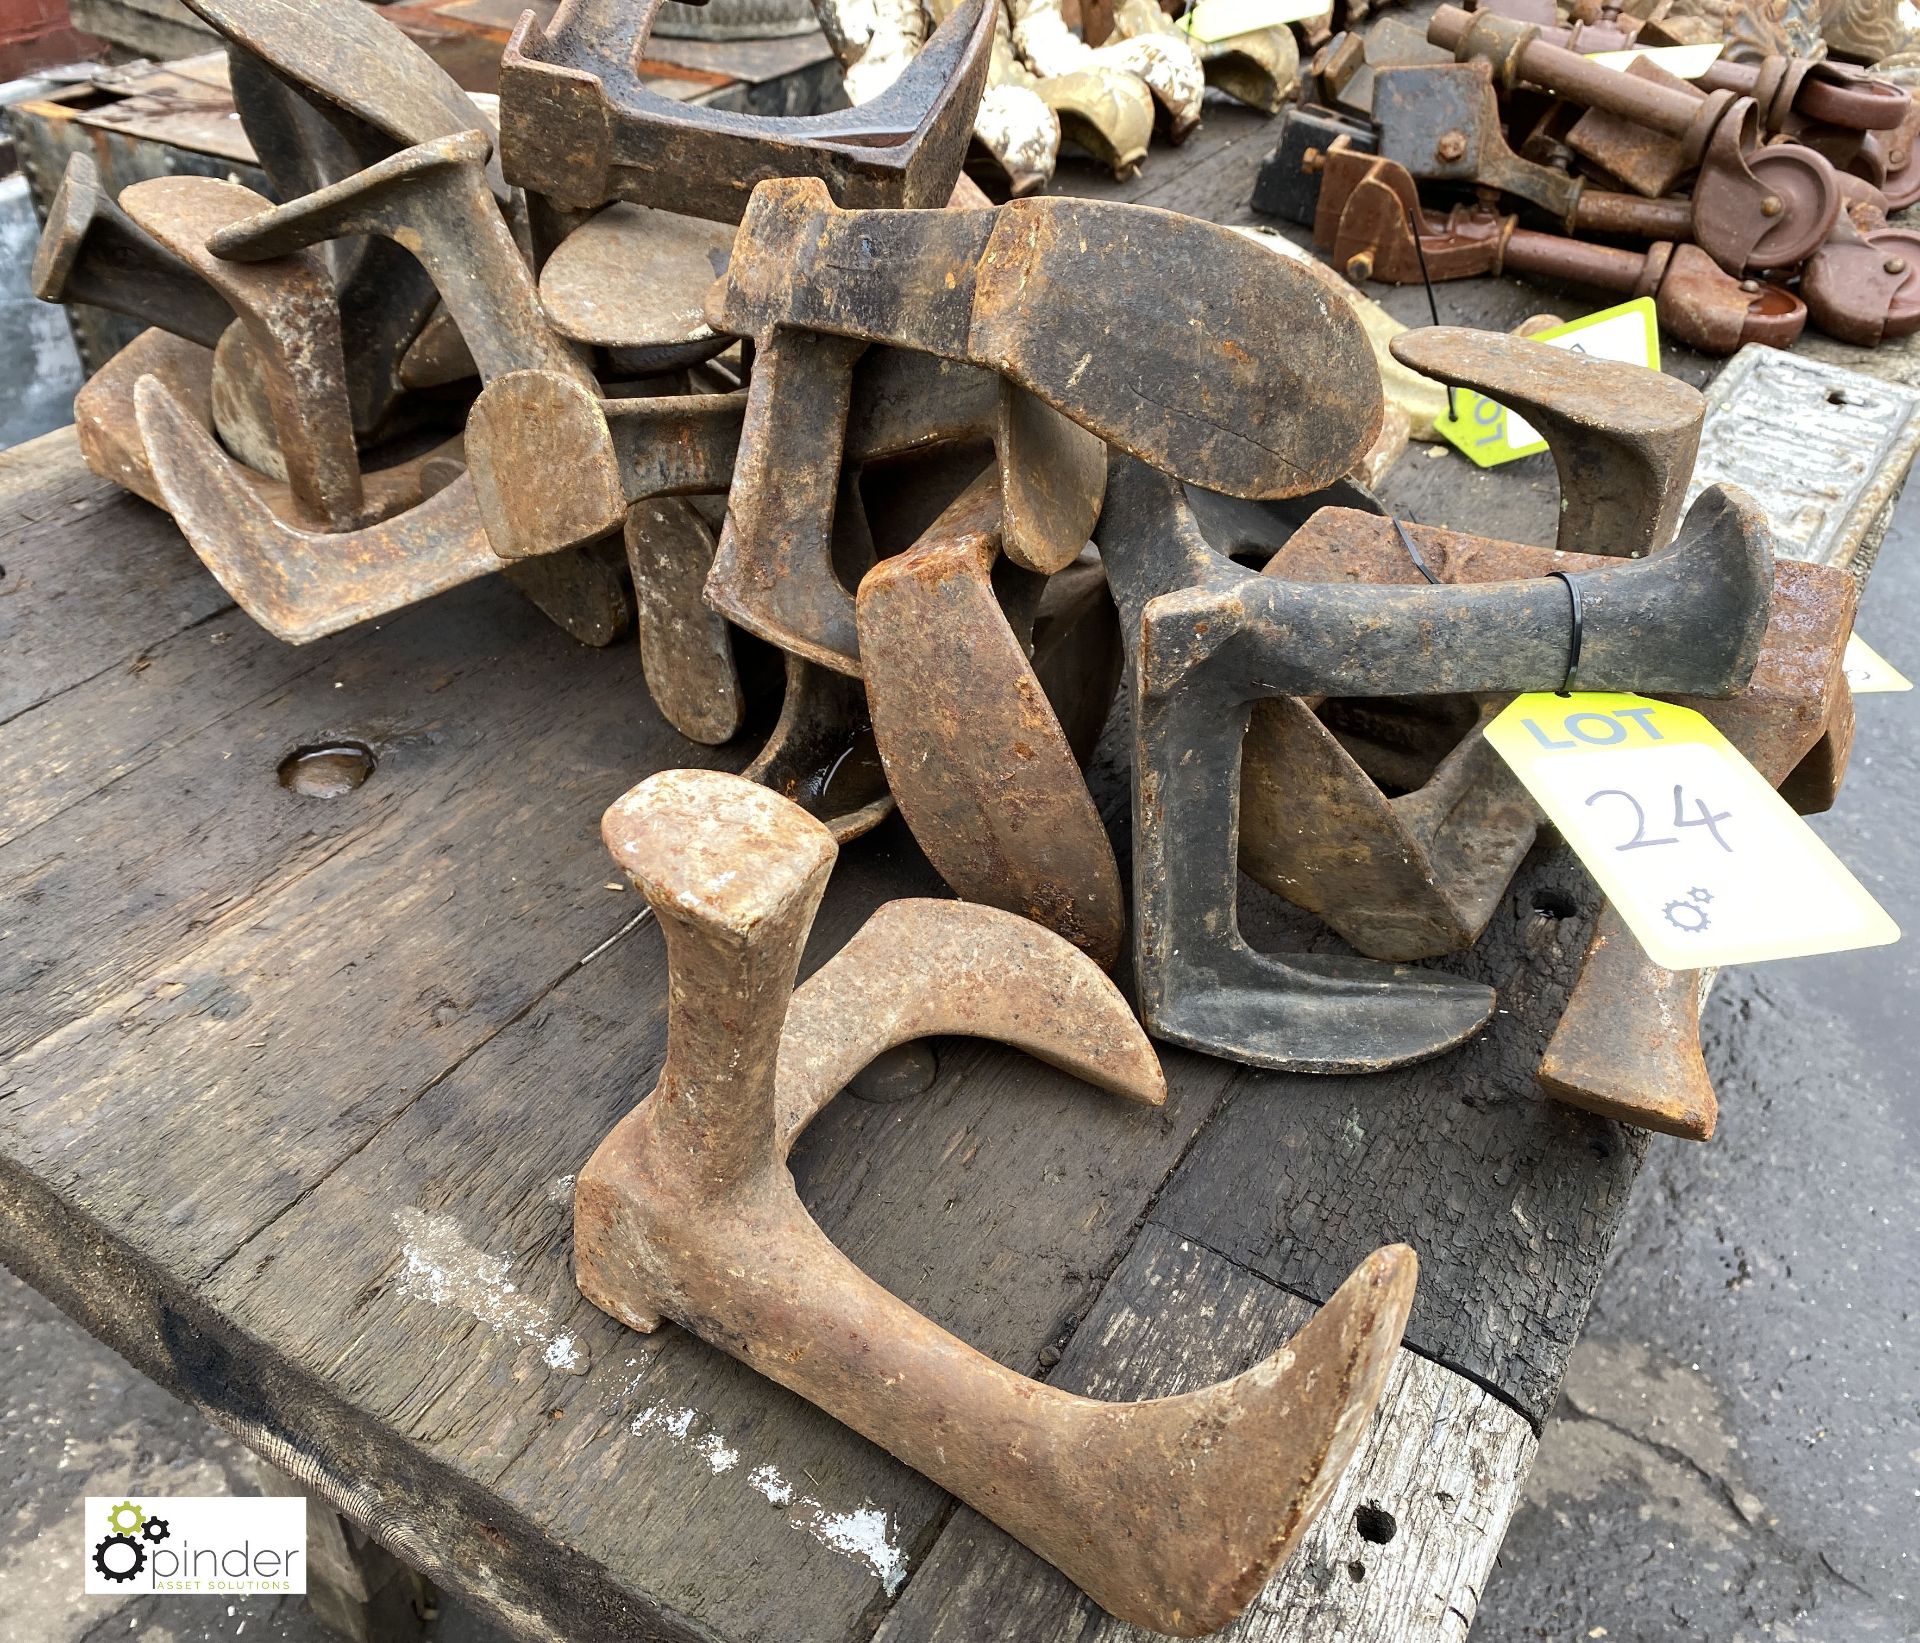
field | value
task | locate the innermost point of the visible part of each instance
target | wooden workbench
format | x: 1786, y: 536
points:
x: 294, y: 1089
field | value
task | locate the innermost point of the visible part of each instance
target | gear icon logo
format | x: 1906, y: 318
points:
x: 109, y: 1558
x: 1689, y: 912
x: 121, y: 1553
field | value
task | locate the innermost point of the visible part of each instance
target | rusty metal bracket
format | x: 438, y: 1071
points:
x: 685, y: 649
x: 303, y: 144
x: 634, y: 280
x: 109, y: 434
x: 1207, y: 638
x: 977, y: 760
x: 1623, y: 439
x: 288, y: 312
x: 539, y: 414
x: 1441, y: 120
x: 1368, y: 208
x: 1169, y: 1514
x: 1038, y: 290
x: 301, y: 585
x: 821, y: 753
x: 579, y: 124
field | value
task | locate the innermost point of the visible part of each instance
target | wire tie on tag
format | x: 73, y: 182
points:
x: 1433, y: 307
x: 1413, y: 551
x: 1573, y: 640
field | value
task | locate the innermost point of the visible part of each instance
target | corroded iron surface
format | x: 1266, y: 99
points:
x: 977, y: 760
x: 1208, y: 638
x: 580, y: 126
x: 1075, y: 303
x: 1170, y: 1514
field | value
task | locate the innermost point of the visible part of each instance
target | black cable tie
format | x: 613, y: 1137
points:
x: 1426, y: 279
x: 1413, y: 551
x: 1573, y: 641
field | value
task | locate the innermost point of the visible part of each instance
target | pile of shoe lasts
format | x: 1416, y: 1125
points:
x: 962, y: 467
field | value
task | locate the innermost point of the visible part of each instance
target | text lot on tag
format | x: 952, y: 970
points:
x: 1707, y: 864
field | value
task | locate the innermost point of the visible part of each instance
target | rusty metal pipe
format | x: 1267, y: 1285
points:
x: 1602, y: 212
x: 1516, y: 52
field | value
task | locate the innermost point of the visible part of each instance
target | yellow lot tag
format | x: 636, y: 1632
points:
x: 1215, y: 20
x: 1706, y: 863
x: 1688, y: 62
x: 1868, y: 672
x: 1490, y: 434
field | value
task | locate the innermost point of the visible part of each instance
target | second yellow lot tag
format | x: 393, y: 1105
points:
x: 1689, y: 62
x: 1868, y: 672
x: 1212, y: 21
x: 1490, y: 434
x: 1706, y: 863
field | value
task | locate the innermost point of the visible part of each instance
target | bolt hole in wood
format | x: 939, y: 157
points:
x: 327, y: 770
x: 1837, y: 396
x: 1375, y: 1523
x: 1356, y: 1571
x: 1554, y: 904
x: 897, y: 1074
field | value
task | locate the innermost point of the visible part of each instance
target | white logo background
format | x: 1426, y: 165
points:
x: 211, y: 1545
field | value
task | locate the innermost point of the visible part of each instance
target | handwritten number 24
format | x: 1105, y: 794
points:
x: 1702, y: 817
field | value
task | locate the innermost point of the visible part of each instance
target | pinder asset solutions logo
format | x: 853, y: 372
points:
x: 215, y: 1545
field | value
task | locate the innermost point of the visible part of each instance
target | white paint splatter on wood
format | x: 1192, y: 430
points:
x: 864, y: 1534
x: 443, y: 1268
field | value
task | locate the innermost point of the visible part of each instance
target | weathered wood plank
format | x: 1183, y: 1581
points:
x: 254, y: 1019
x: 1511, y: 1201
x: 459, y: 701
x: 361, y: 1048
x: 996, y: 1202
x: 69, y: 609
x: 1169, y: 169
x: 91, y: 735
x: 1400, y: 1552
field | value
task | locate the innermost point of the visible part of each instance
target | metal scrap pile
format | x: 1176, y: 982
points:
x: 760, y: 370
x: 1098, y: 89
x: 1747, y: 201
